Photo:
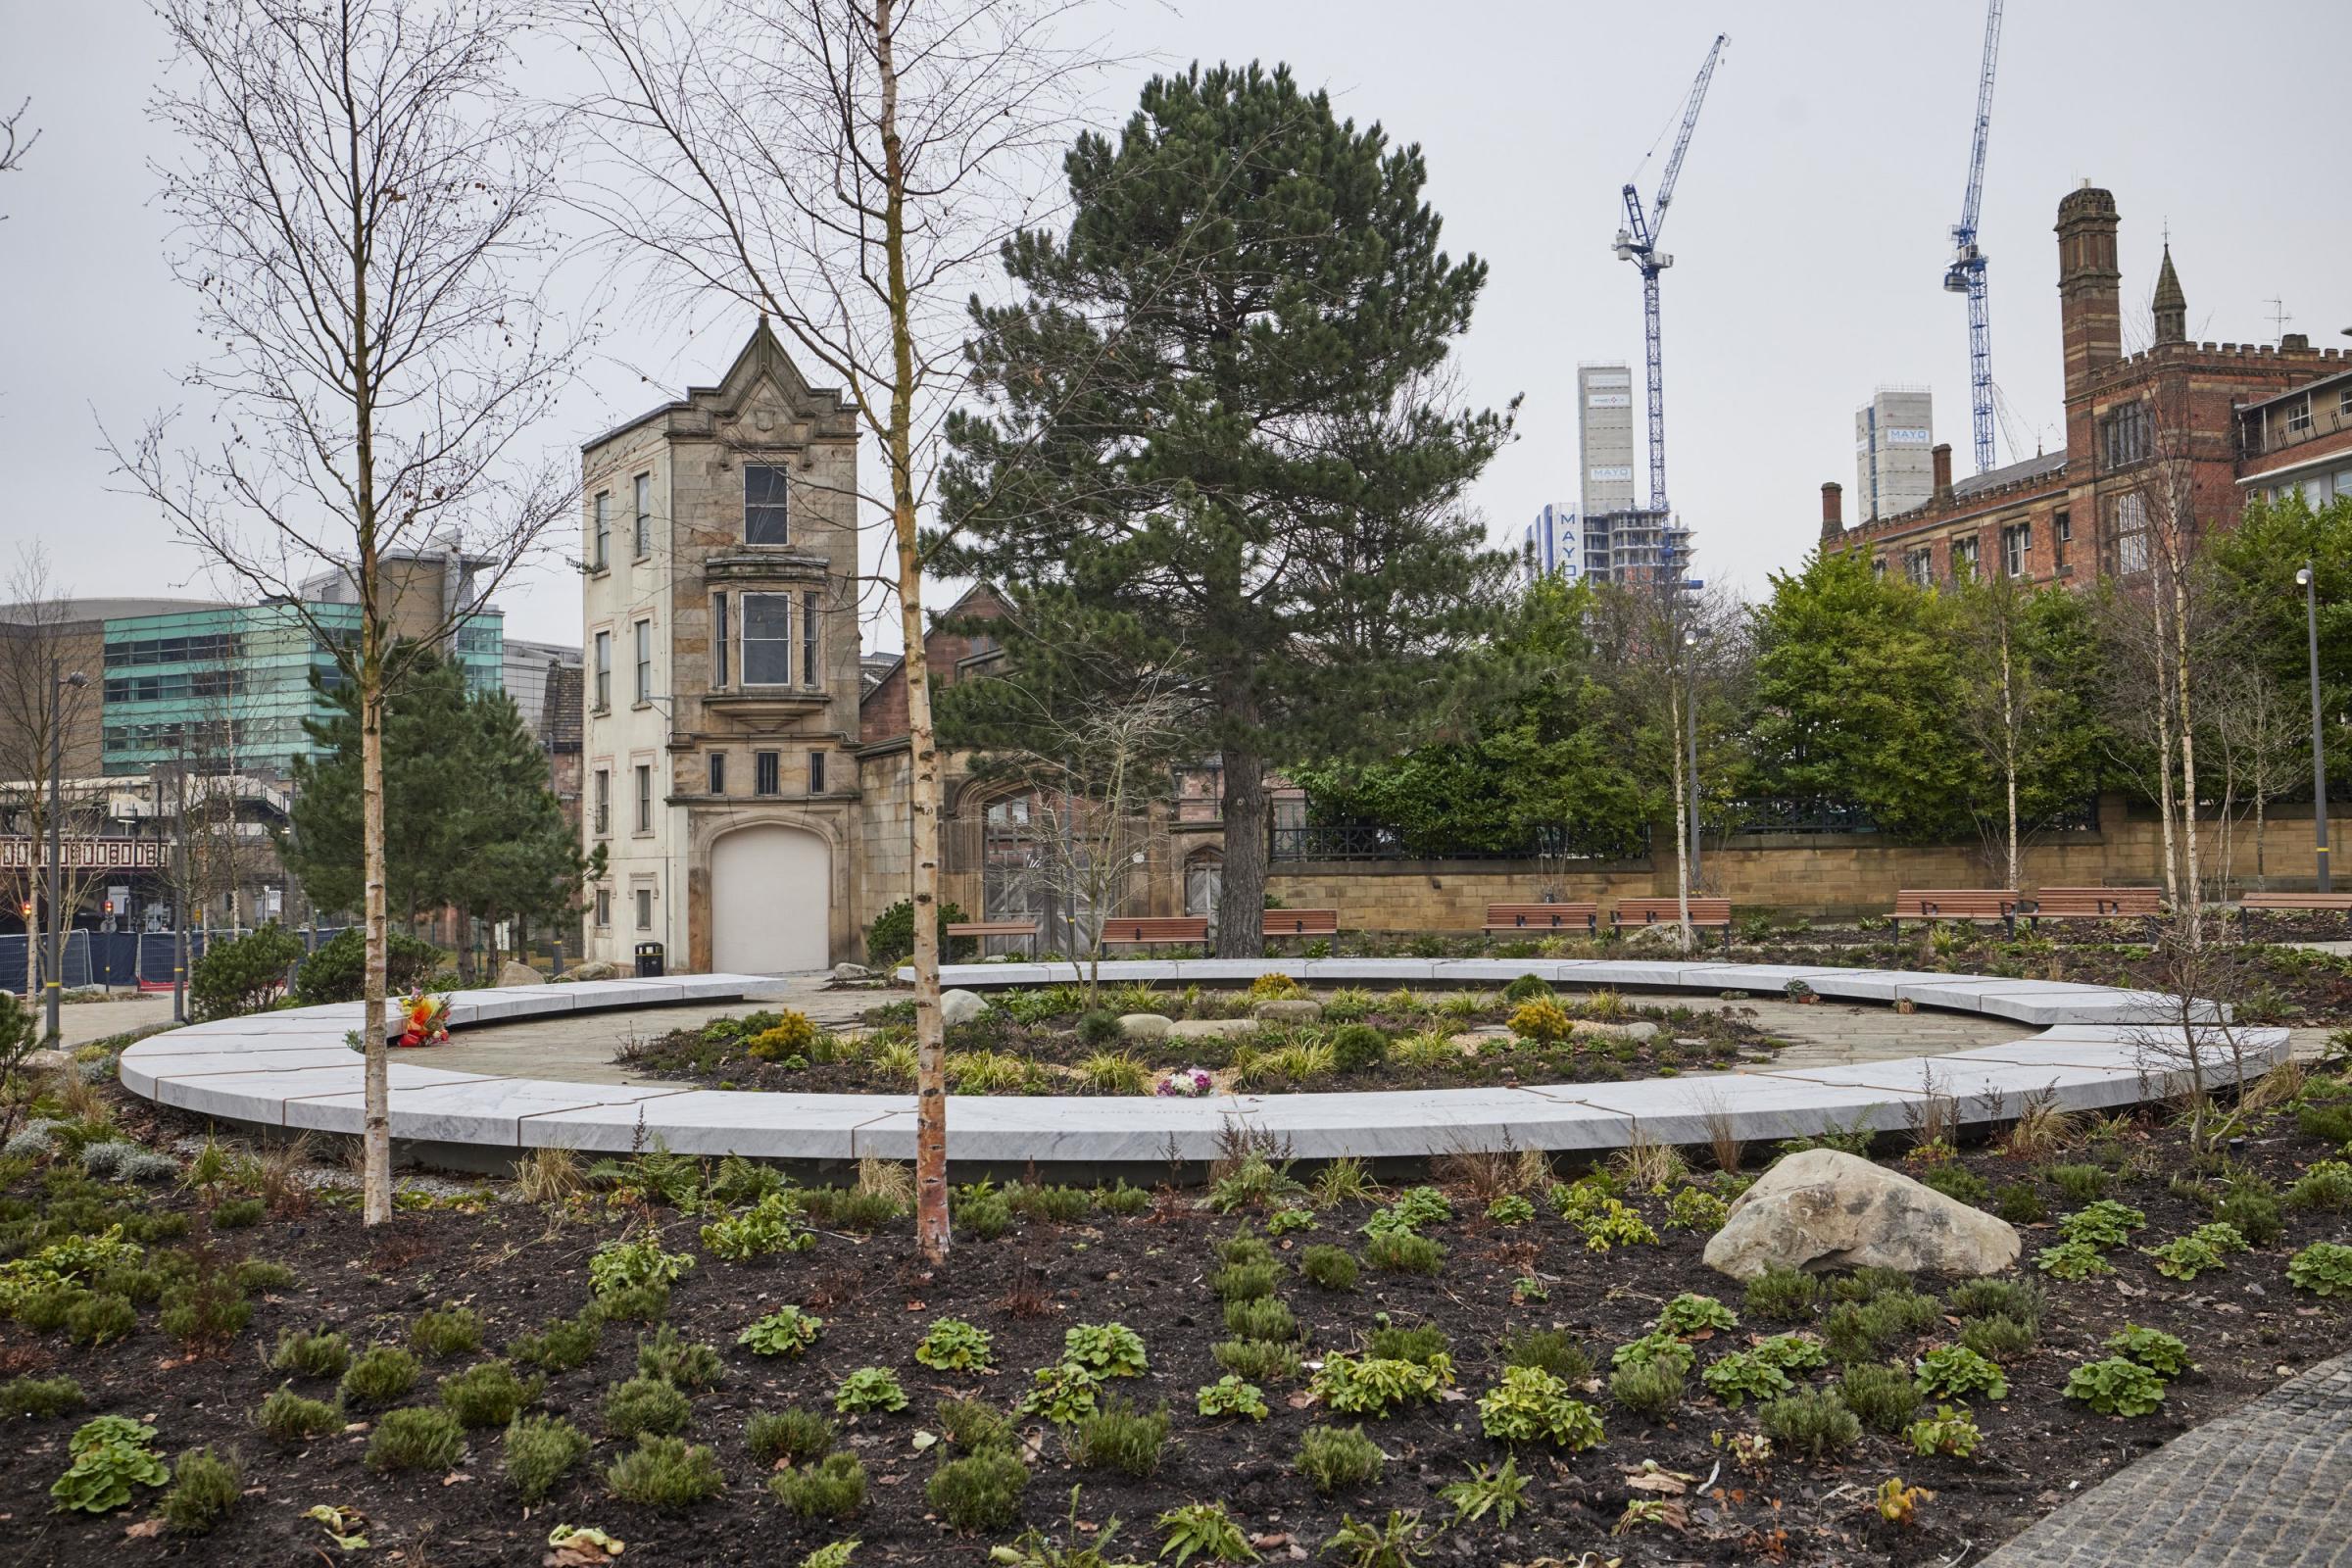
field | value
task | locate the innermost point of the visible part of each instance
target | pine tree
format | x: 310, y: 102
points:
x: 1220, y: 438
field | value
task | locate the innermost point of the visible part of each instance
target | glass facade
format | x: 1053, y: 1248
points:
x: 227, y: 689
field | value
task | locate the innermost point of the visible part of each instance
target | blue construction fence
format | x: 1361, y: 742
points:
x: 115, y: 958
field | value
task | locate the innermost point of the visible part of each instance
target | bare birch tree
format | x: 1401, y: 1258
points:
x: 847, y: 168
x: 361, y: 203
x: 15, y: 142
x: 39, y: 644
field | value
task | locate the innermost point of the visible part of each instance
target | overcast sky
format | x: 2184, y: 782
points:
x: 1809, y: 232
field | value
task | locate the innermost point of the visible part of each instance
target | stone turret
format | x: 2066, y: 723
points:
x: 2171, y: 306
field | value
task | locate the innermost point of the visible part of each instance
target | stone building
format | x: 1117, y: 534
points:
x: 722, y: 672
x: 2171, y: 419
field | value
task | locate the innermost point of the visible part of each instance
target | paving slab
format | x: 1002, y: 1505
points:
x: 2266, y: 1486
x: 711, y: 1123
x: 486, y: 1111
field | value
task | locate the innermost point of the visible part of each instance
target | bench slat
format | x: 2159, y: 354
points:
x: 2295, y: 900
x: 1154, y: 930
x: 1669, y: 912
x: 992, y: 928
x: 1542, y: 917
x: 1301, y: 923
x: 2096, y: 904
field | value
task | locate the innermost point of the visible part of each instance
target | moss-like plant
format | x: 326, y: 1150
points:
x: 1121, y: 1436
x: 379, y: 1375
x: 1554, y: 1351
x: 311, y: 1356
x: 978, y: 1491
x: 1655, y: 1390
x: 792, y: 1435
x: 416, y: 1436
x: 538, y: 1450
x: 1333, y: 1458
x: 204, y: 1489
x: 975, y: 1424
x: 833, y: 1488
x: 1883, y: 1397
x: 1815, y: 1425
x: 1262, y: 1318
x: 100, y: 1318
x: 1783, y: 1295
x: 488, y: 1395
x: 565, y: 1345
x: 40, y: 1397
x: 1330, y: 1267
x: 665, y: 1473
x: 1258, y: 1360
x: 645, y: 1404
x: 1403, y: 1252
x: 288, y: 1417
x: 680, y: 1362
x: 448, y: 1332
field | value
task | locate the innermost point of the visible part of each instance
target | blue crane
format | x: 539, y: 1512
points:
x: 1637, y: 243
x: 1966, y: 274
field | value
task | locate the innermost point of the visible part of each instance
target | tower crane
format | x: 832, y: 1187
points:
x: 1966, y: 274
x: 1637, y: 242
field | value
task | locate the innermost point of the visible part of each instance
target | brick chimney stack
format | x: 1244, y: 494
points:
x: 2090, y: 285
x: 1832, y: 509
x: 1942, y: 456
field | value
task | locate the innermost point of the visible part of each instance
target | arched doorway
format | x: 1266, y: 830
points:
x: 771, y: 901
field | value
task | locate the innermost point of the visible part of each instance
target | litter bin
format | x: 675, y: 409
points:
x: 649, y: 960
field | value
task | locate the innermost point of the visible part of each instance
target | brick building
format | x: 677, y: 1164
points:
x: 2202, y: 421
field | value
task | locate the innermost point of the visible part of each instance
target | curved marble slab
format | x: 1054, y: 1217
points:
x: 2086, y: 1047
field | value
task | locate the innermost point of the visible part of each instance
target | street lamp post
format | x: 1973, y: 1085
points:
x: 2318, y: 751
x: 57, y: 766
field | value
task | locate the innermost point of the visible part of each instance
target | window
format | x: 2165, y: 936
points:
x: 1964, y: 560
x: 603, y: 908
x: 762, y: 504
x: 2066, y: 527
x: 645, y: 798
x: 2298, y: 416
x: 767, y: 639
x: 808, y: 639
x: 766, y: 766
x: 604, y: 670
x: 2126, y: 434
x: 644, y: 908
x: 817, y: 772
x: 645, y: 660
x: 2343, y: 402
x: 599, y: 540
x: 2017, y: 543
x: 718, y: 642
x: 1919, y: 566
x: 1877, y: 565
x: 604, y: 802
x: 718, y: 772
x: 2130, y: 534
x: 644, y: 486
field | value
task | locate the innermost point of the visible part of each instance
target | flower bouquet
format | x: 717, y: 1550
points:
x: 1185, y: 1083
x: 424, y: 1020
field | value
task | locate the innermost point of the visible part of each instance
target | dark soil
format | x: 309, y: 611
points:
x: 1019, y: 1047
x: 518, y: 1266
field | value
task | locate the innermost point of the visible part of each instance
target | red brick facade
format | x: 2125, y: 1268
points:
x: 2080, y: 514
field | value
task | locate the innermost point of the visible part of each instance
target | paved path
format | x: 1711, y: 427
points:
x: 583, y: 1047
x: 2268, y: 1485
x: 81, y: 1022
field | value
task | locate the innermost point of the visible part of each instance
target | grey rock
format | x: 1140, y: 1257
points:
x: 1298, y: 1010
x: 1144, y: 1026
x: 851, y: 971
x: 1211, y: 1028
x: 1597, y: 1029
x: 593, y: 969
x: 959, y: 1007
x: 511, y: 973
x: 1826, y: 1209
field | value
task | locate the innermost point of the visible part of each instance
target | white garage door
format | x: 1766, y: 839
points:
x: 770, y: 900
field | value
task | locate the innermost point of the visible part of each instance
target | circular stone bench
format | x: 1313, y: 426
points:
x: 2081, y: 1048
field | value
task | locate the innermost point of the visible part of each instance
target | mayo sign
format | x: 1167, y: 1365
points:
x: 81, y: 854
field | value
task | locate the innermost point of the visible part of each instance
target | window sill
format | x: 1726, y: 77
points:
x: 768, y: 698
x: 640, y: 705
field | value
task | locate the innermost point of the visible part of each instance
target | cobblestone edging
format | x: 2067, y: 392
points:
x: 2086, y: 1047
x: 2266, y: 1486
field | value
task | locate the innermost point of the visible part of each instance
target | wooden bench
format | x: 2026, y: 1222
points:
x: 1301, y: 923
x: 1706, y: 914
x: 2294, y: 902
x: 2096, y: 904
x: 1552, y: 917
x: 982, y: 930
x: 1977, y: 905
x: 1155, y: 931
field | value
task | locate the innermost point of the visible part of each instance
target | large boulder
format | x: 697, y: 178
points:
x: 593, y: 969
x: 1826, y: 1209
x: 1144, y: 1026
x: 850, y: 973
x: 959, y: 1007
x: 1211, y: 1028
x: 1600, y: 1029
x: 511, y: 973
x: 1298, y: 1009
